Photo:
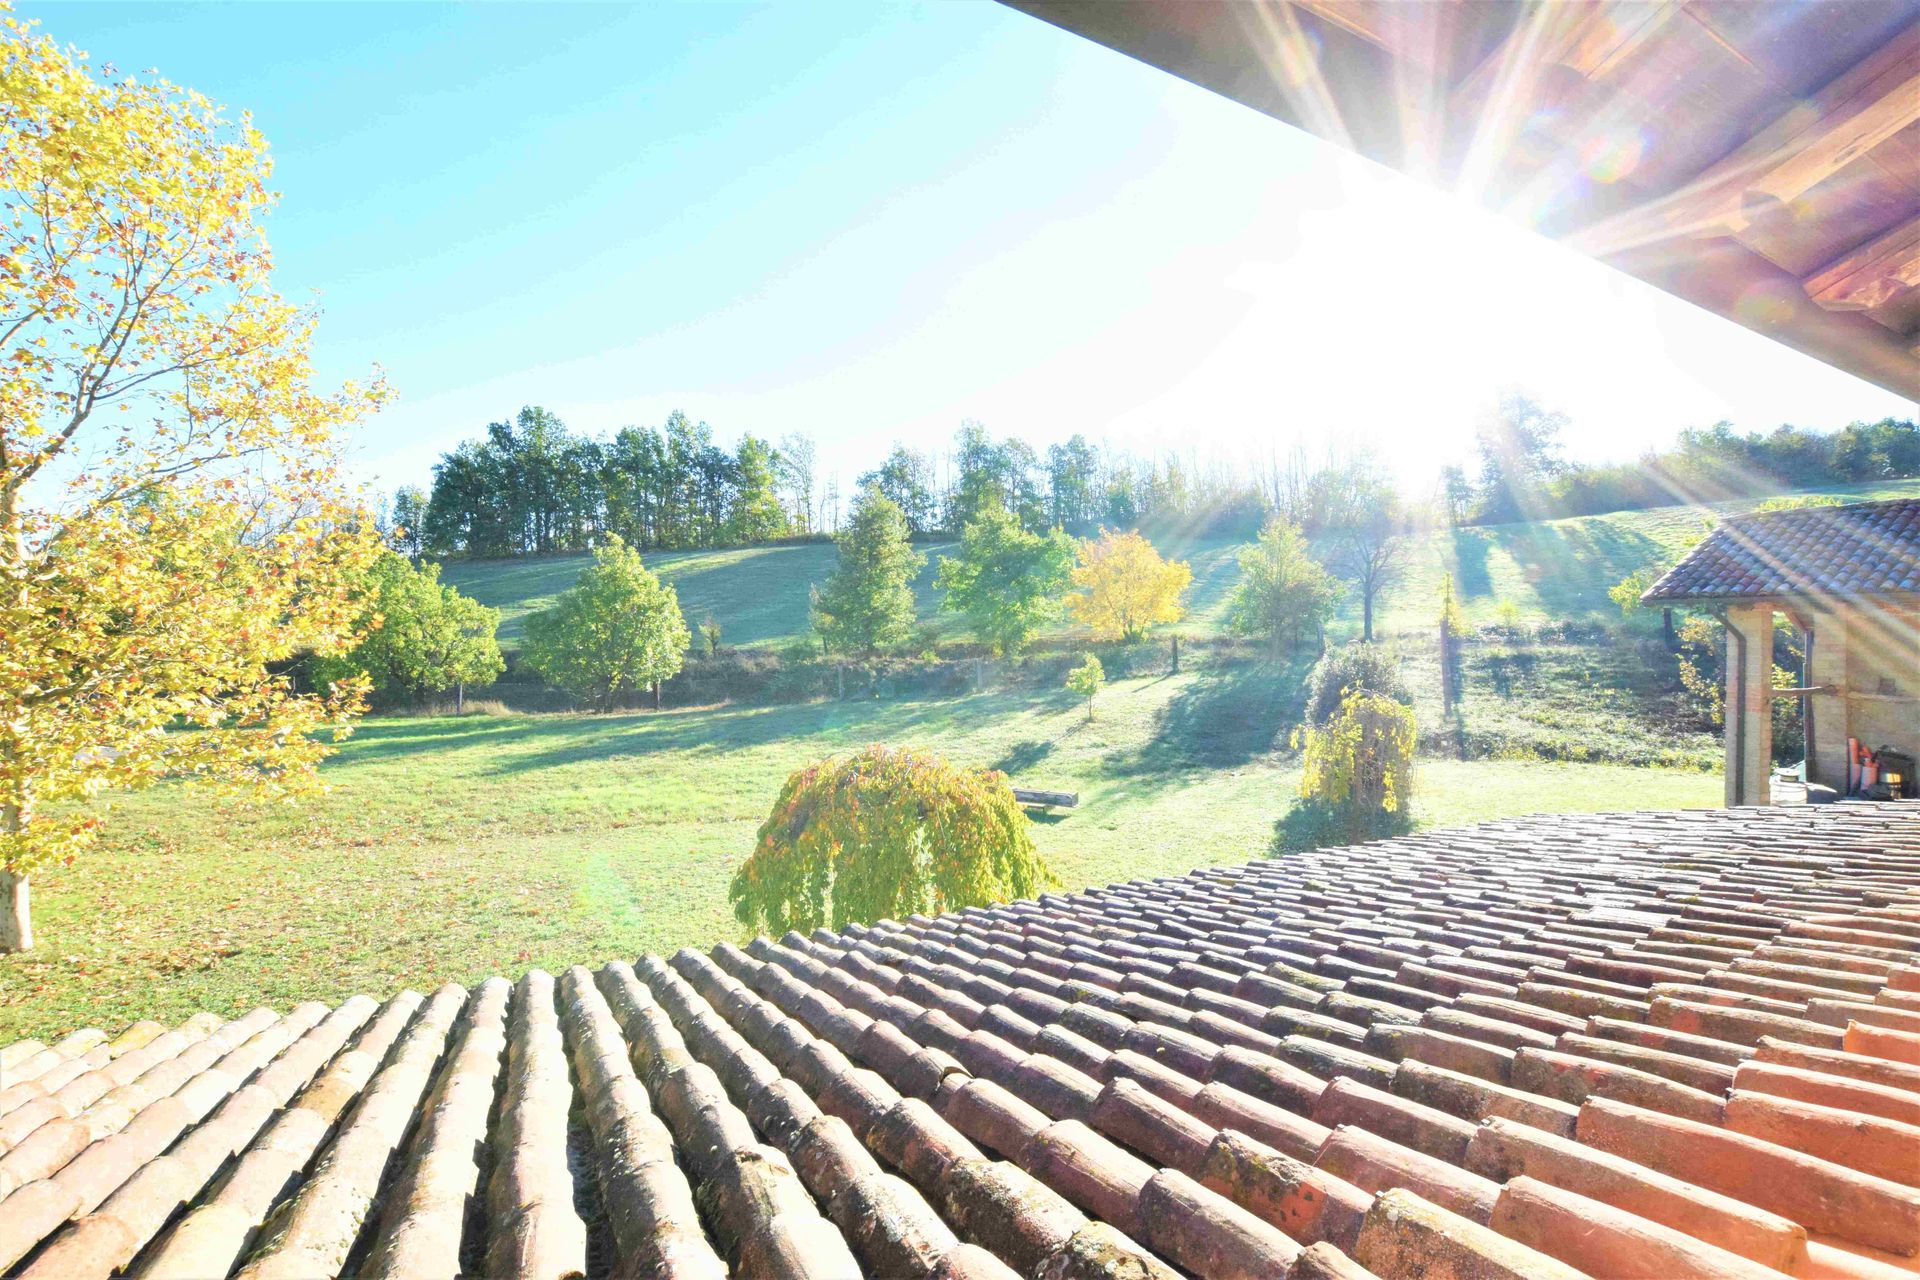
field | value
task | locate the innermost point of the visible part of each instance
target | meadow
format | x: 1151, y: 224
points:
x: 453, y: 848
x: 1546, y: 570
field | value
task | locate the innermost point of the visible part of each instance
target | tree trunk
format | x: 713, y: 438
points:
x: 1175, y: 671
x: 460, y: 698
x: 1366, y: 616
x: 656, y: 695
x: 16, y: 914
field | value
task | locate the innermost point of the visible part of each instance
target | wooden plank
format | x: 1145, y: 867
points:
x: 1807, y: 144
x: 1873, y: 274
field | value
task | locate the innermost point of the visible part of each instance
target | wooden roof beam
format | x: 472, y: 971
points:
x: 1807, y: 144
x: 1872, y: 274
x: 1592, y: 41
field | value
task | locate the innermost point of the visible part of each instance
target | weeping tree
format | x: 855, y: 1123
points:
x: 1356, y: 777
x: 886, y: 833
x: 173, y: 525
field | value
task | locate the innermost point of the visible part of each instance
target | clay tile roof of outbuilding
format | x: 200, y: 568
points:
x: 1865, y: 549
x: 1665, y: 1044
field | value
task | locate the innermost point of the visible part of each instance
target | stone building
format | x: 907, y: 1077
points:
x: 1849, y: 579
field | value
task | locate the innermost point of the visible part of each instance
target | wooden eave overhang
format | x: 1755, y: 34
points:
x: 1760, y: 160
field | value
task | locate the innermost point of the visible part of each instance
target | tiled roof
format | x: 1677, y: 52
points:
x: 1869, y: 548
x: 1639, y: 1044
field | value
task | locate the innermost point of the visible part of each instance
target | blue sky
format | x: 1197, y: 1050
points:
x: 870, y: 221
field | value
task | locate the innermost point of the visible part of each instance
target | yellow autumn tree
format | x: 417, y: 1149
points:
x: 173, y: 527
x: 1122, y: 586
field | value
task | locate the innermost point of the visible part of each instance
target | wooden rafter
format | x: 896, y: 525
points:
x: 1871, y: 275
x: 1807, y: 144
x: 1712, y: 151
x: 1592, y: 41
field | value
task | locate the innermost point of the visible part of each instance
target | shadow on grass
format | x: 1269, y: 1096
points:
x: 573, y: 738
x: 1466, y: 556
x: 1023, y: 755
x: 1225, y: 718
x: 1572, y: 565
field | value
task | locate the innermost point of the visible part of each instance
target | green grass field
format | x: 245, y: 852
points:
x: 454, y: 848
x: 1558, y: 569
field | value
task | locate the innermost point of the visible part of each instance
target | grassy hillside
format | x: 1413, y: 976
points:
x: 449, y: 848
x: 455, y: 848
x: 1555, y: 569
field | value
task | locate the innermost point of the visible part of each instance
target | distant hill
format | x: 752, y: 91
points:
x: 1557, y: 569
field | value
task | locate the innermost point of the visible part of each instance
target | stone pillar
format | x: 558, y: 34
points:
x: 1829, y: 709
x: 1749, y: 704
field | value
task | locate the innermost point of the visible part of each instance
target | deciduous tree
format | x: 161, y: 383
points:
x: 407, y: 522
x: 421, y: 637
x: 1367, y: 530
x: 886, y: 833
x: 906, y: 478
x: 1284, y: 594
x: 1087, y: 680
x: 616, y: 631
x: 172, y: 524
x: 1007, y: 582
x: 796, y: 456
x: 1123, y: 587
x: 754, y: 513
x: 867, y: 602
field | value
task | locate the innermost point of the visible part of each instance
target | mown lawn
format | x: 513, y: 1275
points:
x: 450, y: 849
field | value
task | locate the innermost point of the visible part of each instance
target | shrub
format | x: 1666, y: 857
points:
x: 886, y: 833
x: 1353, y: 666
x: 1087, y: 679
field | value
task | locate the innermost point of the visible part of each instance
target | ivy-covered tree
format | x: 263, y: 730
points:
x: 173, y: 523
x: 1123, y: 587
x: 866, y: 604
x: 1284, y: 594
x: 615, y: 632
x: 421, y: 637
x: 886, y: 833
x: 1006, y: 581
x: 1356, y: 780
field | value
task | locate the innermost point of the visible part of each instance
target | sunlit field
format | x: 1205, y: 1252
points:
x: 1548, y: 570
x: 455, y: 848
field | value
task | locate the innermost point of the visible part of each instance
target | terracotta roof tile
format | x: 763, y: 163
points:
x: 1868, y: 548
x: 1681, y: 1043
